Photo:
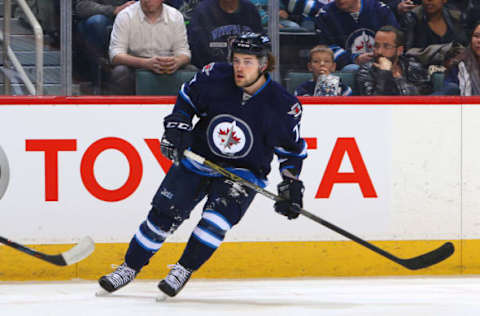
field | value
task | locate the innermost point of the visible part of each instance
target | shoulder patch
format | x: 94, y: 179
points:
x: 208, y: 68
x: 295, y: 110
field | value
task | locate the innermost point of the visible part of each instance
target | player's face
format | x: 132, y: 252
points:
x: 321, y: 63
x: 476, y: 41
x: 246, y: 69
x: 385, y: 46
x: 433, y: 6
x: 151, y: 6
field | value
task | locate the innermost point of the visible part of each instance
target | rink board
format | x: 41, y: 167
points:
x: 90, y: 166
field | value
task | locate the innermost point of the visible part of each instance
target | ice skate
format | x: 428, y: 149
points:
x: 175, y: 280
x: 117, y: 279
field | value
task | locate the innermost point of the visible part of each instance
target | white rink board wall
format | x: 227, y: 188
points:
x: 411, y: 154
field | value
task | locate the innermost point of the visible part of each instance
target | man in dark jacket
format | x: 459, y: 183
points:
x: 215, y: 23
x: 391, y: 73
x: 95, y: 20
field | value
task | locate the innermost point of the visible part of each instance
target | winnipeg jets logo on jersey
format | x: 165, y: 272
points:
x: 361, y: 41
x: 295, y: 110
x: 207, y: 68
x: 229, y: 137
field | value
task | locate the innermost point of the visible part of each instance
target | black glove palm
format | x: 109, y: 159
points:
x: 176, y: 137
x: 291, y: 191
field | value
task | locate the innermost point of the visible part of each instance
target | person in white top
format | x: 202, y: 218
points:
x: 148, y: 34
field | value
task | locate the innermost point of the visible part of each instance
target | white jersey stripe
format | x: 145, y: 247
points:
x: 217, y: 219
x: 147, y: 243
x: 207, y: 238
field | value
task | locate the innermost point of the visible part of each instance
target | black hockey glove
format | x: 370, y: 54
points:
x: 291, y: 190
x: 176, y: 137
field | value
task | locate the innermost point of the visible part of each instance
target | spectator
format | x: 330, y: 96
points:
x: 401, y: 7
x: 464, y: 77
x: 262, y: 7
x: 323, y: 83
x: 349, y: 26
x: 304, y: 11
x: 215, y: 23
x: 307, y: 8
x: 460, y: 5
x: 95, y: 20
x: 47, y: 12
x: 391, y: 73
x: 184, y: 6
x: 433, y: 24
x: 148, y: 34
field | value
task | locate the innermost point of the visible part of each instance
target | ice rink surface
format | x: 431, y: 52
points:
x: 402, y: 296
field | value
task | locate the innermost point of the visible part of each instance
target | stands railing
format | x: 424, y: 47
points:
x: 273, y: 32
x: 8, y: 53
x: 66, y: 46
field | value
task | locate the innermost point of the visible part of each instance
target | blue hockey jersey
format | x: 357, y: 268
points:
x: 238, y: 131
x: 348, y: 36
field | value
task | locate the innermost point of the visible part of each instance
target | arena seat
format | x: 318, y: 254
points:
x: 437, y: 81
x: 149, y: 83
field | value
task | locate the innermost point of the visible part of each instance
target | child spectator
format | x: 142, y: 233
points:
x: 323, y: 83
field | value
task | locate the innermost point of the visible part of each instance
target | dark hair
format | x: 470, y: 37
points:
x: 399, y: 35
x: 270, y: 62
x: 473, y: 27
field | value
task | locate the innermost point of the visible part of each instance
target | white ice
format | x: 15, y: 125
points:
x: 402, y: 296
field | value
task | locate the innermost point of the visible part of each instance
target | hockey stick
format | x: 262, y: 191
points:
x: 415, y: 263
x: 79, y: 252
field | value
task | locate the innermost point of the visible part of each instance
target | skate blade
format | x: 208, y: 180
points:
x: 161, y: 298
x: 101, y: 292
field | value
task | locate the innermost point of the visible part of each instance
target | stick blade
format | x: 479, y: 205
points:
x: 430, y: 258
x: 80, y: 251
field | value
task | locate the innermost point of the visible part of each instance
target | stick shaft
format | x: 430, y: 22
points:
x: 79, y: 252
x: 422, y: 261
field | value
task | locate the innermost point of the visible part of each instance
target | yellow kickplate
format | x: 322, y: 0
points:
x: 251, y: 260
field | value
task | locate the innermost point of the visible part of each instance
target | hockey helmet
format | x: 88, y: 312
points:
x: 252, y: 44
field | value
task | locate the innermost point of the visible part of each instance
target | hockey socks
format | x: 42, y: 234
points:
x: 147, y: 241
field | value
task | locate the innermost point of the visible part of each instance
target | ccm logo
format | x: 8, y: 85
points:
x: 51, y: 148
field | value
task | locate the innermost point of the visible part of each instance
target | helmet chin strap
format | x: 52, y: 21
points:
x: 260, y: 74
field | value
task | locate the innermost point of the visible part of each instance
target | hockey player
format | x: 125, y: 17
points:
x: 244, y: 119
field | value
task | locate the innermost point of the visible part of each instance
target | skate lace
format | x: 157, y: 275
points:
x: 122, y: 275
x: 177, y: 276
